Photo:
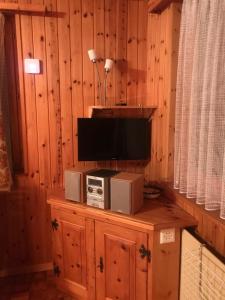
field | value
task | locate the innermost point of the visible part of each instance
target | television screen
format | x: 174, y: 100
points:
x: 113, y: 139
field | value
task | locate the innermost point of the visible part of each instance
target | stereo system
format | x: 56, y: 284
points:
x: 75, y: 183
x: 105, y: 189
x: 98, y: 188
x: 127, y: 192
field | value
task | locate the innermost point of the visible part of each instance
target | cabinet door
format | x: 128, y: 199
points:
x: 121, y: 271
x: 70, y: 253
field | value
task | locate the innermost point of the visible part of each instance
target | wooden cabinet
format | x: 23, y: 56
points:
x: 121, y: 272
x: 103, y: 255
x: 70, y: 253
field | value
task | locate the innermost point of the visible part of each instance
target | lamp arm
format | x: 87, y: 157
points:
x: 105, y: 86
x: 99, y: 83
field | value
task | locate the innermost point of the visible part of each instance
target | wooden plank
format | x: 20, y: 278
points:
x: 157, y: 6
x: 132, y: 52
x: 142, y: 53
x: 88, y: 43
x: 121, y: 51
x: 121, y: 111
x: 155, y: 214
x: 149, y: 100
x: 110, y: 48
x: 42, y: 246
x: 65, y: 84
x: 165, y: 101
x: 141, y: 67
x: 73, y: 247
x: 152, y: 84
x: 110, y: 52
x: 53, y: 95
x: 163, y: 46
x: 157, y: 120
x: 99, y: 46
x: 13, y: 94
x: 22, y: 8
x: 26, y: 270
x: 21, y: 93
x: 220, y: 239
x: 164, y: 269
x: 174, y: 40
x: 161, y: 78
x: 39, y: 43
x: 90, y: 245
x: 33, y: 180
x: 76, y: 70
x: 88, y: 68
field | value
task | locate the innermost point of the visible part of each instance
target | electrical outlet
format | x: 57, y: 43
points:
x: 167, y: 235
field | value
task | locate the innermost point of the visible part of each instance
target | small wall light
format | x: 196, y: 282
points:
x: 32, y: 66
x: 108, y: 64
x: 92, y: 55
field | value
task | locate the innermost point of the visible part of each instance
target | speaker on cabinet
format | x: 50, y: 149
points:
x: 75, y: 183
x: 127, y: 192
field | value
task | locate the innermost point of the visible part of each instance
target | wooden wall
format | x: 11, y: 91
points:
x: 48, y: 105
x: 161, y: 78
x: 163, y: 40
x: 144, y: 47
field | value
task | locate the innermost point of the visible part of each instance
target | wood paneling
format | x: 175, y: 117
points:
x: 24, y: 8
x: 144, y: 47
x: 50, y: 103
x: 163, y: 38
x: 157, y: 6
x: 210, y: 227
x: 14, y: 106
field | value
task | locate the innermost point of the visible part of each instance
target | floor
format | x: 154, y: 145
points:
x: 31, y: 287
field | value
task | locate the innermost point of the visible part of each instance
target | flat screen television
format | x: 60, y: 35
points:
x: 113, y: 139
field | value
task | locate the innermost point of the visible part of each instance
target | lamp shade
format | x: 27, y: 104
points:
x: 92, y: 55
x: 108, y: 64
x: 32, y: 66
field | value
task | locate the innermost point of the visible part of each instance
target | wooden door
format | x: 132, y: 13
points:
x: 70, y: 253
x: 121, y: 272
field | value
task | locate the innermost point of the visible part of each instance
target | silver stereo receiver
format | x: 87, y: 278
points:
x: 98, y: 188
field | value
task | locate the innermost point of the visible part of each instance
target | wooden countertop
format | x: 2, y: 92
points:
x: 156, y: 214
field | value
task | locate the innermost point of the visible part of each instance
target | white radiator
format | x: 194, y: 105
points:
x: 202, y: 273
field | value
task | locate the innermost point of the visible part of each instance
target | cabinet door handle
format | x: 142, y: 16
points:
x: 101, y: 265
x: 145, y: 253
x: 56, y: 270
x: 55, y: 224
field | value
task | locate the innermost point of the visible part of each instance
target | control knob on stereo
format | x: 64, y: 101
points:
x: 90, y: 189
x: 99, y: 191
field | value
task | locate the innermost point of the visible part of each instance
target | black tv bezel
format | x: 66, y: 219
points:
x: 148, y: 143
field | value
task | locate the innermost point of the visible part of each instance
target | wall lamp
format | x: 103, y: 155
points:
x: 108, y: 66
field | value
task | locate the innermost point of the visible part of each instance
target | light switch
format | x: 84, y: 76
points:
x: 32, y: 65
x: 167, y: 235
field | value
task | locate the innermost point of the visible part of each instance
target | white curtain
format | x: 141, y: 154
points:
x: 199, y: 169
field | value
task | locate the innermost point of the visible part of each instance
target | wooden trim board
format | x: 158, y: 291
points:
x: 26, y: 269
x: 121, y: 111
x: 23, y: 8
x: 157, y: 6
